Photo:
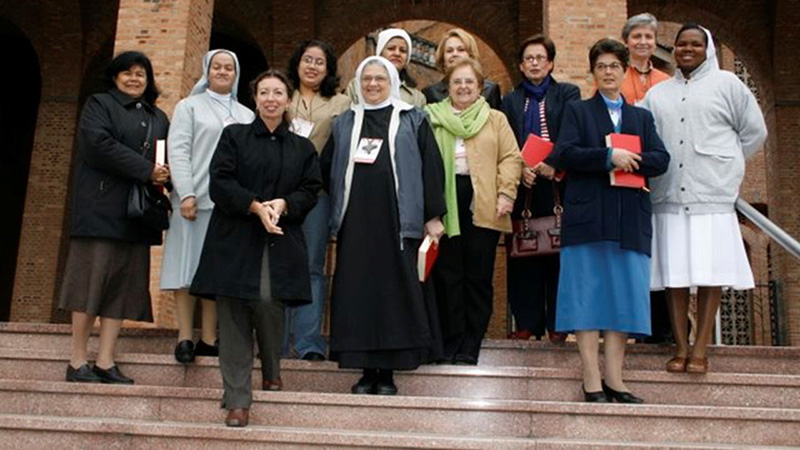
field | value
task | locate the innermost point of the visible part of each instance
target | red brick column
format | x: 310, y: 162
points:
x: 175, y: 35
x: 785, y: 162
x: 292, y: 22
x: 575, y: 26
x: 59, y: 53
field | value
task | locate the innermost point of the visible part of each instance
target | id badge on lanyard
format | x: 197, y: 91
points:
x: 368, y: 150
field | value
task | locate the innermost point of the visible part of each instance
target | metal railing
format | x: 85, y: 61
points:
x: 769, y: 228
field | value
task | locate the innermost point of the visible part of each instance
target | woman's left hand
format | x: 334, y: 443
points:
x: 434, y: 228
x: 278, y: 205
x: 504, y: 206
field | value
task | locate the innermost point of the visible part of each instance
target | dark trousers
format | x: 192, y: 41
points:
x: 463, y: 278
x: 532, y: 288
x: 659, y: 318
x: 237, y: 319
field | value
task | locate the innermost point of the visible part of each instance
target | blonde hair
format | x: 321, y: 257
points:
x: 469, y: 42
x: 464, y: 62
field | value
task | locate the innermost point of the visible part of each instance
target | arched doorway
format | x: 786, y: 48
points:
x: 251, y: 58
x: 426, y: 34
x: 19, y: 107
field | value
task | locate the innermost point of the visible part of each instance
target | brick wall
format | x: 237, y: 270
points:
x: 575, y: 26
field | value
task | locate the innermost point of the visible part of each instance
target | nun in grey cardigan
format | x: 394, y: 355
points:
x: 198, y: 123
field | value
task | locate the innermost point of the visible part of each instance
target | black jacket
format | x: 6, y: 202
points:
x: 438, y: 92
x: 593, y: 210
x: 230, y: 264
x: 109, y: 160
x: 513, y: 105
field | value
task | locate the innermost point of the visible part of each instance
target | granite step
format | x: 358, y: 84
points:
x: 25, y: 431
x: 511, y: 383
x: 435, y: 416
x: 740, y: 359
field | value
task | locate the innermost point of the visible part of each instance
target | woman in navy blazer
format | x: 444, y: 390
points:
x: 606, y: 230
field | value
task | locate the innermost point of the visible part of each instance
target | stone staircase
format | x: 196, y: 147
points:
x: 524, y: 395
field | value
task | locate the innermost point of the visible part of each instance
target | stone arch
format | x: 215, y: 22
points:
x: 19, y: 108
x: 226, y: 33
x: 496, y: 23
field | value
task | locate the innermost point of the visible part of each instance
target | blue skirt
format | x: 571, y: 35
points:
x: 603, y: 287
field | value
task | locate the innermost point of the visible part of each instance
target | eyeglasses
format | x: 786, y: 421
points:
x: 530, y: 59
x: 464, y: 81
x: 379, y: 79
x: 311, y: 61
x: 600, y: 67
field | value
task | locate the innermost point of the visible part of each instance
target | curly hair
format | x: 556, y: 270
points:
x: 330, y: 83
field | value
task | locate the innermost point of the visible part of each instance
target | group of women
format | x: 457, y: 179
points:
x: 256, y: 198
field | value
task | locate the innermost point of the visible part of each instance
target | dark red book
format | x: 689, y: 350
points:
x: 618, y: 177
x: 426, y: 256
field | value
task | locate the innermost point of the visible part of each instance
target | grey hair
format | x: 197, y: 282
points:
x: 639, y: 20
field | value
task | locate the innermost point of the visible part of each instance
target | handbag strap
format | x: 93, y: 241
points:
x: 146, y: 144
x: 526, y: 211
x: 558, y: 208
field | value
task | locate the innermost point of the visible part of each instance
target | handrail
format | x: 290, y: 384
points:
x: 767, y: 226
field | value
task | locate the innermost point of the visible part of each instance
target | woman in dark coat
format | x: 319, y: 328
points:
x: 604, y: 284
x: 107, y: 273
x: 532, y: 282
x: 386, y: 187
x: 264, y: 180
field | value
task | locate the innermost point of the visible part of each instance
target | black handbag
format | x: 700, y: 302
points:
x: 149, y: 206
x: 536, y: 236
x: 146, y: 203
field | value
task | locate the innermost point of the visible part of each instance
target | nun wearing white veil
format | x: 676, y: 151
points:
x: 395, y: 45
x: 710, y: 123
x: 386, y: 183
x: 197, y: 124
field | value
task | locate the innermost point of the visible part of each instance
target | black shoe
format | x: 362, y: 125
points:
x: 112, y: 375
x: 184, y: 351
x: 314, y: 356
x: 82, y: 374
x: 465, y: 360
x: 620, y: 397
x: 385, y: 388
x: 365, y: 385
x: 203, y: 349
x: 594, y: 397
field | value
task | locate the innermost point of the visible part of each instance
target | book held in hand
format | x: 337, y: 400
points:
x: 536, y: 150
x: 618, y: 177
x: 426, y: 256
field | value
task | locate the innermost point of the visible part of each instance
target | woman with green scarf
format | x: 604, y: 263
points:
x: 482, y: 170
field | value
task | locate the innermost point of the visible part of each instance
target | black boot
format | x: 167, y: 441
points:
x: 385, y: 384
x: 366, y: 385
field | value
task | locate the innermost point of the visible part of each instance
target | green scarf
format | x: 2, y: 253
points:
x: 447, y: 126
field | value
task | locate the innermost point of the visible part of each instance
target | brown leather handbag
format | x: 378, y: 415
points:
x: 536, y: 236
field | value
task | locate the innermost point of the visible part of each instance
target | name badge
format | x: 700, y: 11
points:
x: 302, y: 127
x: 229, y: 121
x: 367, y: 150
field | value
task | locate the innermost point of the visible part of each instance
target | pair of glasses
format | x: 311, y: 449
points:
x: 603, y: 67
x: 379, y: 79
x: 530, y: 59
x: 464, y: 82
x: 311, y: 61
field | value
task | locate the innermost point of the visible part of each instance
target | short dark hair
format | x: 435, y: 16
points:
x: 273, y: 73
x: 538, y: 39
x: 125, y: 61
x: 331, y: 81
x: 609, y: 46
x: 692, y: 26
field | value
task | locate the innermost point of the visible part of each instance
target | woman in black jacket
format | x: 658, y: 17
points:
x: 264, y: 180
x: 107, y: 273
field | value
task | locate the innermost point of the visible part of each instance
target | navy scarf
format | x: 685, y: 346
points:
x: 534, y: 95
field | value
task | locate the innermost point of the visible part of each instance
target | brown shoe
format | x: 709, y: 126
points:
x: 238, y: 417
x: 676, y: 364
x: 697, y: 365
x: 272, y: 385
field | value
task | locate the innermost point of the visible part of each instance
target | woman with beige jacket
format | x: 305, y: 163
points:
x: 482, y: 170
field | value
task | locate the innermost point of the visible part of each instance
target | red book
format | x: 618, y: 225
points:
x: 537, y: 150
x: 426, y: 256
x: 633, y: 144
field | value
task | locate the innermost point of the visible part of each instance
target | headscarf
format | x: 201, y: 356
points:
x: 202, y: 84
x: 711, y: 64
x: 359, y: 108
x: 390, y: 33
